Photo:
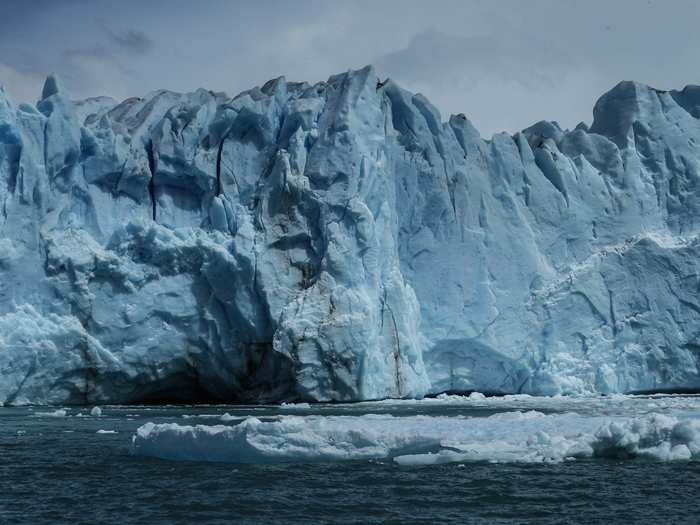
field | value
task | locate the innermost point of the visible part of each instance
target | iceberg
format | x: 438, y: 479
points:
x: 341, y: 242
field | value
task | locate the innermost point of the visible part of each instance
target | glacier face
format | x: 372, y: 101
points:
x: 340, y: 242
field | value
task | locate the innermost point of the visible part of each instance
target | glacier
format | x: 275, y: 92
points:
x: 341, y: 242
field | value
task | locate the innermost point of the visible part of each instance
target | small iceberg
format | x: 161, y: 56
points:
x: 517, y: 436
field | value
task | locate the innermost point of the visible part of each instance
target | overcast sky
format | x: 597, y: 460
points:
x: 505, y: 64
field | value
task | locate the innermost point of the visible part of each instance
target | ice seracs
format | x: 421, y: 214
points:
x: 340, y: 241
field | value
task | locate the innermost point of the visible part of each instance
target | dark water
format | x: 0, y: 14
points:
x: 59, y: 470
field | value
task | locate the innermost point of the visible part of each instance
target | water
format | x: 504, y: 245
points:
x: 60, y: 470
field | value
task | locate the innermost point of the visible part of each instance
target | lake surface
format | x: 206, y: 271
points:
x: 57, y: 468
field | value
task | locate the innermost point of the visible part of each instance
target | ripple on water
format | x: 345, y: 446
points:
x: 48, y: 476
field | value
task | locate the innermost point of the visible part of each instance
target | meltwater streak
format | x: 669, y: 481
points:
x: 661, y: 428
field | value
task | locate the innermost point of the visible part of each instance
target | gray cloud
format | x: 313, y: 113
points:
x: 435, y: 57
x: 499, y: 82
x: 505, y: 64
x: 131, y: 41
x: 95, y: 70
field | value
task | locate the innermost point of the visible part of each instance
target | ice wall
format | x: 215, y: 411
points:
x: 340, y: 242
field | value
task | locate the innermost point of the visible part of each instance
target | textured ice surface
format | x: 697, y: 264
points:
x: 624, y: 428
x: 339, y: 241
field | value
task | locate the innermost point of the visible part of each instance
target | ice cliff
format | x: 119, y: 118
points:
x: 339, y: 241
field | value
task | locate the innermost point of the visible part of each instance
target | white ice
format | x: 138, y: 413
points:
x: 295, y: 406
x: 626, y: 428
x: 60, y: 412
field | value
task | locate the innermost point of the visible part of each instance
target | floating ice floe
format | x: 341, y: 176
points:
x: 295, y: 406
x: 515, y: 436
x: 228, y: 417
x: 611, y: 404
x: 61, y: 412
